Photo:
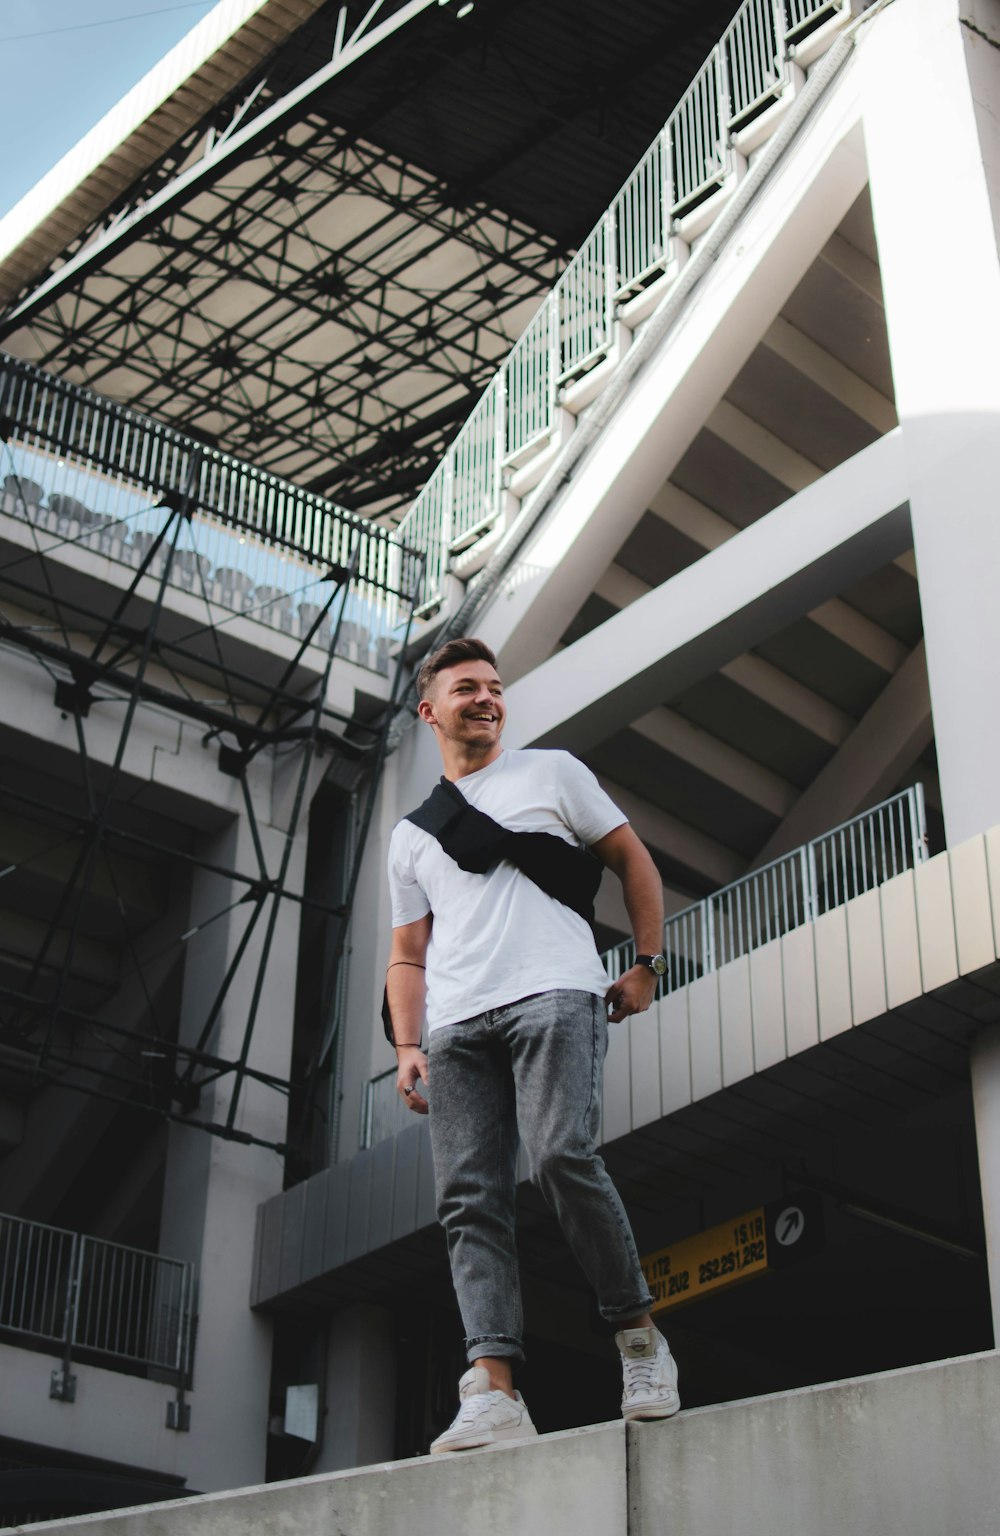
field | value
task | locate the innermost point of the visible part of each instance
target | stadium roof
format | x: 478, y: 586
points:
x: 313, y: 231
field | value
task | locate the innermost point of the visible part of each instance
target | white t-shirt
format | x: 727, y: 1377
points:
x: 498, y: 937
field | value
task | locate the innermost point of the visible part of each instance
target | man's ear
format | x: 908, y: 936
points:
x: 425, y: 710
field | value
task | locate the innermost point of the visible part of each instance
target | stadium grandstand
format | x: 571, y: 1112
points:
x: 653, y: 342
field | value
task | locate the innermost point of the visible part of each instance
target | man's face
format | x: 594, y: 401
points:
x: 465, y: 705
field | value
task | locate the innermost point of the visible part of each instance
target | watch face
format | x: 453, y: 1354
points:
x: 658, y: 965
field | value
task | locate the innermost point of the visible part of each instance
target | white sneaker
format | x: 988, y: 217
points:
x: 650, y: 1372
x: 486, y: 1417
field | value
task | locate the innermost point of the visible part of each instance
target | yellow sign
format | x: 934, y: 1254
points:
x: 707, y: 1262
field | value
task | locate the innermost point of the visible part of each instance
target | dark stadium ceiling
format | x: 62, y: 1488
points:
x: 330, y: 302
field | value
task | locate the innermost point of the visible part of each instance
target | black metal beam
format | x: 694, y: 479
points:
x: 305, y: 764
x: 230, y: 152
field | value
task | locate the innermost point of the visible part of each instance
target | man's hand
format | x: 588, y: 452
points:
x: 412, y: 1065
x: 631, y: 993
x: 404, y: 985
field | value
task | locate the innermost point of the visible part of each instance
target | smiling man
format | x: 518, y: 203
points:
x: 491, y: 885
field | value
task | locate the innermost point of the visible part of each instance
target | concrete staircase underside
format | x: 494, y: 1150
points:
x: 906, y: 1453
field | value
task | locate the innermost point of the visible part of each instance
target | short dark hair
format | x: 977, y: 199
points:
x: 466, y: 648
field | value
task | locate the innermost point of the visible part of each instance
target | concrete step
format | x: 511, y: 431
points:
x: 904, y: 1453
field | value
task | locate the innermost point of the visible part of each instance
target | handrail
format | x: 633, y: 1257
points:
x: 130, y: 1308
x: 88, y: 472
x: 114, y: 439
x: 765, y: 904
x: 632, y: 245
x: 800, y: 886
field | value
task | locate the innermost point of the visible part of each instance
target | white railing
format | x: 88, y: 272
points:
x: 795, y: 889
x: 632, y: 245
x: 475, y: 471
x: 641, y: 215
x: 769, y: 902
x: 752, y: 57
x: 531, y: 372
x: 81, y: 1294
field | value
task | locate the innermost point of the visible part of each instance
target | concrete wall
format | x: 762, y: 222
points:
x: 907, y: 1453
x: 509, y: 1490
x: 947, y: 389
x: 115, y: 1418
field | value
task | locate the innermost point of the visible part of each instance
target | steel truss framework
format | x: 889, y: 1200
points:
x: 117, y: 655
x: 311, y: 388
x: 308, y: 380
x: 293, y: 287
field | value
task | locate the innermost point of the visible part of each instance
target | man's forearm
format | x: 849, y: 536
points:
x: 643, y: 893
x: 628, y: 858
x: 406, y: 990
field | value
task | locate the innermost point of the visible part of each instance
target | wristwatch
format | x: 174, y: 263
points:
x: 655, y: 963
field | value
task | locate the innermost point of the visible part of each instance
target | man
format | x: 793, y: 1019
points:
x: 516, y: 1002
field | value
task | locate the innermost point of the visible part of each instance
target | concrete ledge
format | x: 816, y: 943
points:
x: 907, y: 1453
x: 568, y: 1484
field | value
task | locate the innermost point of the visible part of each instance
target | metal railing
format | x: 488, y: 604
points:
x: 795, y: 889
x: 765, y: 904
x: 88, y: 472
x: 632, y: 245
x: 130, y: 1308
x: 383, y: 1113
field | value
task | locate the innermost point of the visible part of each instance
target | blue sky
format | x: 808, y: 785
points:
x: 58, y: 85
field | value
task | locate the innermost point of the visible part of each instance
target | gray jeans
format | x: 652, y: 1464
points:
x: 532, y: 1067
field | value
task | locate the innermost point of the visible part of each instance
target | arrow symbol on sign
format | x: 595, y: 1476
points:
x: 790, y: 1226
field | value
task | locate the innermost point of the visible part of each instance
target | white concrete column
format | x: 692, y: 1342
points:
x: 984, y: 1062
x: 213, y: 1187
x: 360, y: 1423
x: 931, y: 105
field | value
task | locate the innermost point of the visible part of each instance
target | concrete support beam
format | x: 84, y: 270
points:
x: 761, y: 447
x: 716, y: 759
x: 658, y: 829
x: 212, y: 1187
x: 835, y: 531
x: 846, y: 260
x: 830, y: 374
x: 886, y: 742
x: 860, y: 634
x: 691, y: 517
x: 760, y: 678
x: 767, y: 682
x: 671, y: 397
x: 789, y: 697
x: 756, y: 676
x: 359, y: 1424
x: 929, y: 62
x: 707, y: 528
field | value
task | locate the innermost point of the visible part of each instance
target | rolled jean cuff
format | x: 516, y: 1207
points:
x: 621, y: 1314
x: 498, y: 1346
